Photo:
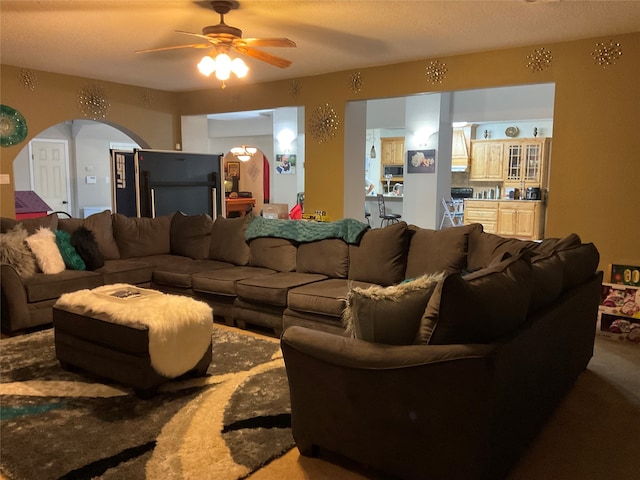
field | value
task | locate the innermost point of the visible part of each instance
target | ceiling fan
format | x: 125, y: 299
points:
x: 224, y: 37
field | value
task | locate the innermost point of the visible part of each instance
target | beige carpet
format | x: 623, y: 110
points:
x: 593, y: 435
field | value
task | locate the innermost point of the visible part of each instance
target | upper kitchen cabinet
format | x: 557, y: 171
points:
x: 392, y: 151
x: 527, y: 162
x: 459, y: 151
x: 487, y: 160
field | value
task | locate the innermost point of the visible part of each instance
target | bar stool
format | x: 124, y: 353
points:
x: 386, y: 217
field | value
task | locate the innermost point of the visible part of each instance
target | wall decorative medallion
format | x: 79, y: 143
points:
x: 539, y: 60
x: 13, y: 126
x: 436, y: 72
x: 146, y: 97
x: 324, y: 123
x: 28, y: 79
x: 93, y: 102
x: 355, y: 82
x: 294, y: 89
x: 606, y: 54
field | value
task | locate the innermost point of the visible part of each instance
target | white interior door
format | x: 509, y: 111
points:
x: 49, y: 172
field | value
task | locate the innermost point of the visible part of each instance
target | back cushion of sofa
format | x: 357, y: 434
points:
x: 190, y: 235
x: 329, y: 257
x: 139, y: 237
x: 434, y: 251
x: 578, y: 264
x: 479, y: 308
x: 547, y: 276
x: 275, y: 253
x: 30, y: 224
x: 487, y: 248
x: 228, y: 243
x: 101, y: 225
x: 381, y: 255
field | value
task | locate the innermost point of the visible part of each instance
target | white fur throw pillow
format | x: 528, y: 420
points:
x: 389, y: 315
x: 43, y: 245
x: 15, y: 252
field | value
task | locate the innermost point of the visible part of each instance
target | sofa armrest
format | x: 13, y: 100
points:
x: 352, y: 353
x: 406, y: 410
x: 15, y: 313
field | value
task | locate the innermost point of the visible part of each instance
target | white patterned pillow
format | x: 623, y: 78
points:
x: 44, y: 247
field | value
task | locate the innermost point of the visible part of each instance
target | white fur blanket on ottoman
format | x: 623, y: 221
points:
x: 179, y: 327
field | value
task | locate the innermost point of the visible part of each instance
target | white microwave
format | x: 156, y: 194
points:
x: 393, y: 170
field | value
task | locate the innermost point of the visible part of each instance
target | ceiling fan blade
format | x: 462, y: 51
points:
x: 176, y: 47
x: 264, y: 42
x: 199, y: 35
x: 265, y: 57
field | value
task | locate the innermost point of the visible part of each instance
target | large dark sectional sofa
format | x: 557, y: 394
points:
x: 452, y: 380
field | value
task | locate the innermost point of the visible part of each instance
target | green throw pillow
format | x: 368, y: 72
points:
x: 69, y: 254
x: 390, y: 315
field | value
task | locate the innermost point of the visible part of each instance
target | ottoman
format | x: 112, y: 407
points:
x: 158, y: 337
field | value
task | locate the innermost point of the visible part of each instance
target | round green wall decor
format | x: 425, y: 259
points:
x: 13, y: 126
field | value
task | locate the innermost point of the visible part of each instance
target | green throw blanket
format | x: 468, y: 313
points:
x: 348, y: 229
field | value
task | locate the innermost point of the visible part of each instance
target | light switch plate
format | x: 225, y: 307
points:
x: 91, y: 179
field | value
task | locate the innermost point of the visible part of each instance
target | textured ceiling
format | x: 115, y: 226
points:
x: 97, y: 38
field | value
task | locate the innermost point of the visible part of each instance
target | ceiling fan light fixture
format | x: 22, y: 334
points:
x: 207, y: 65
x: 239, y: 67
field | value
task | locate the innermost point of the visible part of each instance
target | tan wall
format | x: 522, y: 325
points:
x: 595, y: 173
x: 55, y: 99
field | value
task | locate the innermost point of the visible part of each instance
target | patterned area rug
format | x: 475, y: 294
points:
x: 64, y: 425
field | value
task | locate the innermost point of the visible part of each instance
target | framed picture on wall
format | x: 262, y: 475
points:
x: 421, y: 161
x: 233, y: 169
x: 286, y: 164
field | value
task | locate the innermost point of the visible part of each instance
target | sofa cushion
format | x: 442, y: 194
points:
x: 223, y: 281
x: 326, y: 297
x: 133, y: 272
x: 30, y: 224
x: 433, y: 251
x: 389, y: 315
x: 381, y: 256
x: 72, y: 259
x: 275, y: 253
x: 15, y: 251
x: 480, y: 308
x: 546, y: 280
x: 84, y: 241
x: 41, y: 287
x: 228, y: 243
x: 579, y: 263
x: 190, y: 235
x: 179, y: 274
x: 550, y: 245
x: 43, y: 245
x: 485, y: 248
x: 137, y: 237
x: 101, y: 226
x: 273, y: 289
x: 329, y: 257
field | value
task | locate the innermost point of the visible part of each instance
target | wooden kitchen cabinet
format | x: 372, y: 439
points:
x: 526, y: 162
x: 521, y: 219
x: 392, y: 151
x: 510, y: 218
x: 487, y: 160
x: 482, y: 211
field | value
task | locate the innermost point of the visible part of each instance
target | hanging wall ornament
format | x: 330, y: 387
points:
x: 436, y: 72
x: 539, y: 60
x: 28, y: 79
x: 93, y: 102
x: 606, y: 54
x: 355, y: 82
x: 324, y: 123
x: 294, y: 89
x: 146, y: 97
x: 13, y: 126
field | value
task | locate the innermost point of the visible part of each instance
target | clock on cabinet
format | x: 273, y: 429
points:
x: 511, y: 132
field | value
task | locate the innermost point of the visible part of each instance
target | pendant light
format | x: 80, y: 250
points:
x: 372, y: 153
